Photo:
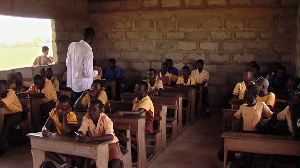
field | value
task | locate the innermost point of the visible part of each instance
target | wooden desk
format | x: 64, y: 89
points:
x: 259, y: 143
x: 66, y: 144
x: 36, y: 114
x: 227, y: 119
x: 1, y: 119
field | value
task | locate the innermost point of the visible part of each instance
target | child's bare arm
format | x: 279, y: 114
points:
x: 133, y: 113
x: 37, y: 95
x: 78, y: 103
x: 47, y: 126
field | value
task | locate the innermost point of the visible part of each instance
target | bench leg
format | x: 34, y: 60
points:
x: 174, y: 130
x: 225, y: 158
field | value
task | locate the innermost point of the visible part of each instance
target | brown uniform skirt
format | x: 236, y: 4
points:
x: 114, y: 152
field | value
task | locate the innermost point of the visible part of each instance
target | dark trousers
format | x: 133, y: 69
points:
x: 9, y: 120
x: 205, y: 98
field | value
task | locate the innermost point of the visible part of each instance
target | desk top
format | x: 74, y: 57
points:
x: 239, y: 135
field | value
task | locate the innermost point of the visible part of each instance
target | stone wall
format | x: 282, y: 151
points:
x: 227, y: 34
x: 69, y: 18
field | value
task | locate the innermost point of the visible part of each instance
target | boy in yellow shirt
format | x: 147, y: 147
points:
x: 155, y: 87
x: 60, y: 120
x: 12, y: 111
x: 264, y: 95
x: 49, y: 76
x: 166, y: 77
x: 97, y: 91
x: 239, y: 89
x: 19, y: 85
x: 185, y: 79
x: 252, y: 111
x: 99, y: 128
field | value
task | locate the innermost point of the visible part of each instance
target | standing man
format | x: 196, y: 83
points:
x: 79, y: 64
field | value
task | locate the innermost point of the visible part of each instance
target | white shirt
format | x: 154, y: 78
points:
x: 79, y: 63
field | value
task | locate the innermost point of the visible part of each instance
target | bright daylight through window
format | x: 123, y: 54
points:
x: 22, y: 39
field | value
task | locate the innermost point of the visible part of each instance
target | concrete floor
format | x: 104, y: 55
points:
x: 196, y: 147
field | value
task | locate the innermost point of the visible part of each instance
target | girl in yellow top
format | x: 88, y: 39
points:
x: 166, y: 77
x: 99, y: 128
x: 12, y: 108
x: 97, y: 91
x: 252, y: 111
x: 185, y: 79
x: 19, y: 85
x: 264, y: 95
x: 142, y: 106
x: 155, y: 87
x: 239, y: 90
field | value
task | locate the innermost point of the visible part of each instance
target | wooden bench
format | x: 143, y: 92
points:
x: 227, y: 119
x: 125, y: 143
x: 26, y: 123
x: 259, y: 143
x: 235, y: 104
x: 172, y: 103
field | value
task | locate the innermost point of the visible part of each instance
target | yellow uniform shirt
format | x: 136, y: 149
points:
x: 103, y: 127
x: 102, y: 96
x: 191, y: 81
x: 55, y: 83
x: 167, y: 79
x: 99, y: 76
x: 240, y: 89
x: 285, y: 115
x: 145, y: 103
x: 252, y: 115
x: 48, y: 90
x: 158, y: 85
x: 13, y: 86
x: 11, y: 102
x: 268, y: 99
x: 200, y: 77
x: 71, y: 120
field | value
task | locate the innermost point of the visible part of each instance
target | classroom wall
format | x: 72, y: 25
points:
x: 70, y: 18
x: 227, y: 34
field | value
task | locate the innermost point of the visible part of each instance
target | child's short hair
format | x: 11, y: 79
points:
x: 164, y: 64
x: 282, y: 68
x: 251, y: 71
x: 44, y: 49
x: 88, y: 32
x: 253, y: 88
x: 3, y: 82
x: 98, y: 102
x: 37, y: 77
x: 100, y: 82
x: 256, y: 66
x: 145, y: 84
x: 151, y: 69
x: 253, y: 63
x: 200, y: 61
x: 112, y: 60
x: 263, y: 81
x: 17, y: 73
x: 186, y: 67
x: 48, y: 69
x: 64, y: 99
x: 169, y: 60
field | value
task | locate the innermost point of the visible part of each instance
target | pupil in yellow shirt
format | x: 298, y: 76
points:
x: 19, y: 85
x: 185, y: 80
x: 49, y: 75
x: 156, y: 87
x: 264, y: 95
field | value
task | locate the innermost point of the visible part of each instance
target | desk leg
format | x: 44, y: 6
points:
x: 1, y: 119
x: 102, y: 156
x: 36, y: 114
x: 38, y: 157
x: 141, y: 144
x: 225, y: 158
x: 179, y: 119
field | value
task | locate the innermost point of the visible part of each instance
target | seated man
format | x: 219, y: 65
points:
x: 19, y: 85
x: 171, y: 69
x: 278, y: 83
x: 43, y: 59
x: 12, y: 111
x: 49, y: 76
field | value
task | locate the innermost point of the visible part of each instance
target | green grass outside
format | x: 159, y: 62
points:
x: 17, y: 57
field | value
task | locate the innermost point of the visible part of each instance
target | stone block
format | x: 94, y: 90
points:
x: 7, y: 74
x: 226, y: 90
x: 287, y: 58
x: 197, y: 35
x: 217, y: 80
x: 289, y: 2
x: 260, y: 47
x: 229, y: 23
x: 105, y: 45
x: 122, y: 64
x: 231, y: 69
x: 150, y: 3
x: 209, y: 46
x: 144, y: 45
x: 121, y: 45
x: 132, y: 55
x: 81, y: 25
x: 164, y: 45
x: 114, y: 35
x: 175, y: 35
x: 174, y: 56
x: 239, y: 24
x: 265, y: 35
x: 266, y: 58
x: 240, y: 2
x: 150, y: 56
x: 170, y: 3
x: 156, y: 65
x: 265, y: 2
x: 58, y: 69
x: 131, y: 5
x: 287, y: 34
x: 283, y: 47
x: 154, y: 35
x: 137, y: 35
x: 140, y: 66
x: 112, y: 5
x: 221, y: 35
x: 144, y: 24
x: 190, y: 24
x: 232, y: 46
x: 36, y: 70
x: 186, y: 45
x: 70, y: 24
x: 219, y: 57
x: 111, y: 54
x: 216, y: 2
x: 212, y: 23
x: 195, y: 56
x: 75, y: 36
x: 248, y: 35
x: 210, y: 68
x: 62, y: 35
x: 123, y: 25
x: 172, y: 25
x: 259, y: 23
x: 243, y: 57
x: 191, y: 3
